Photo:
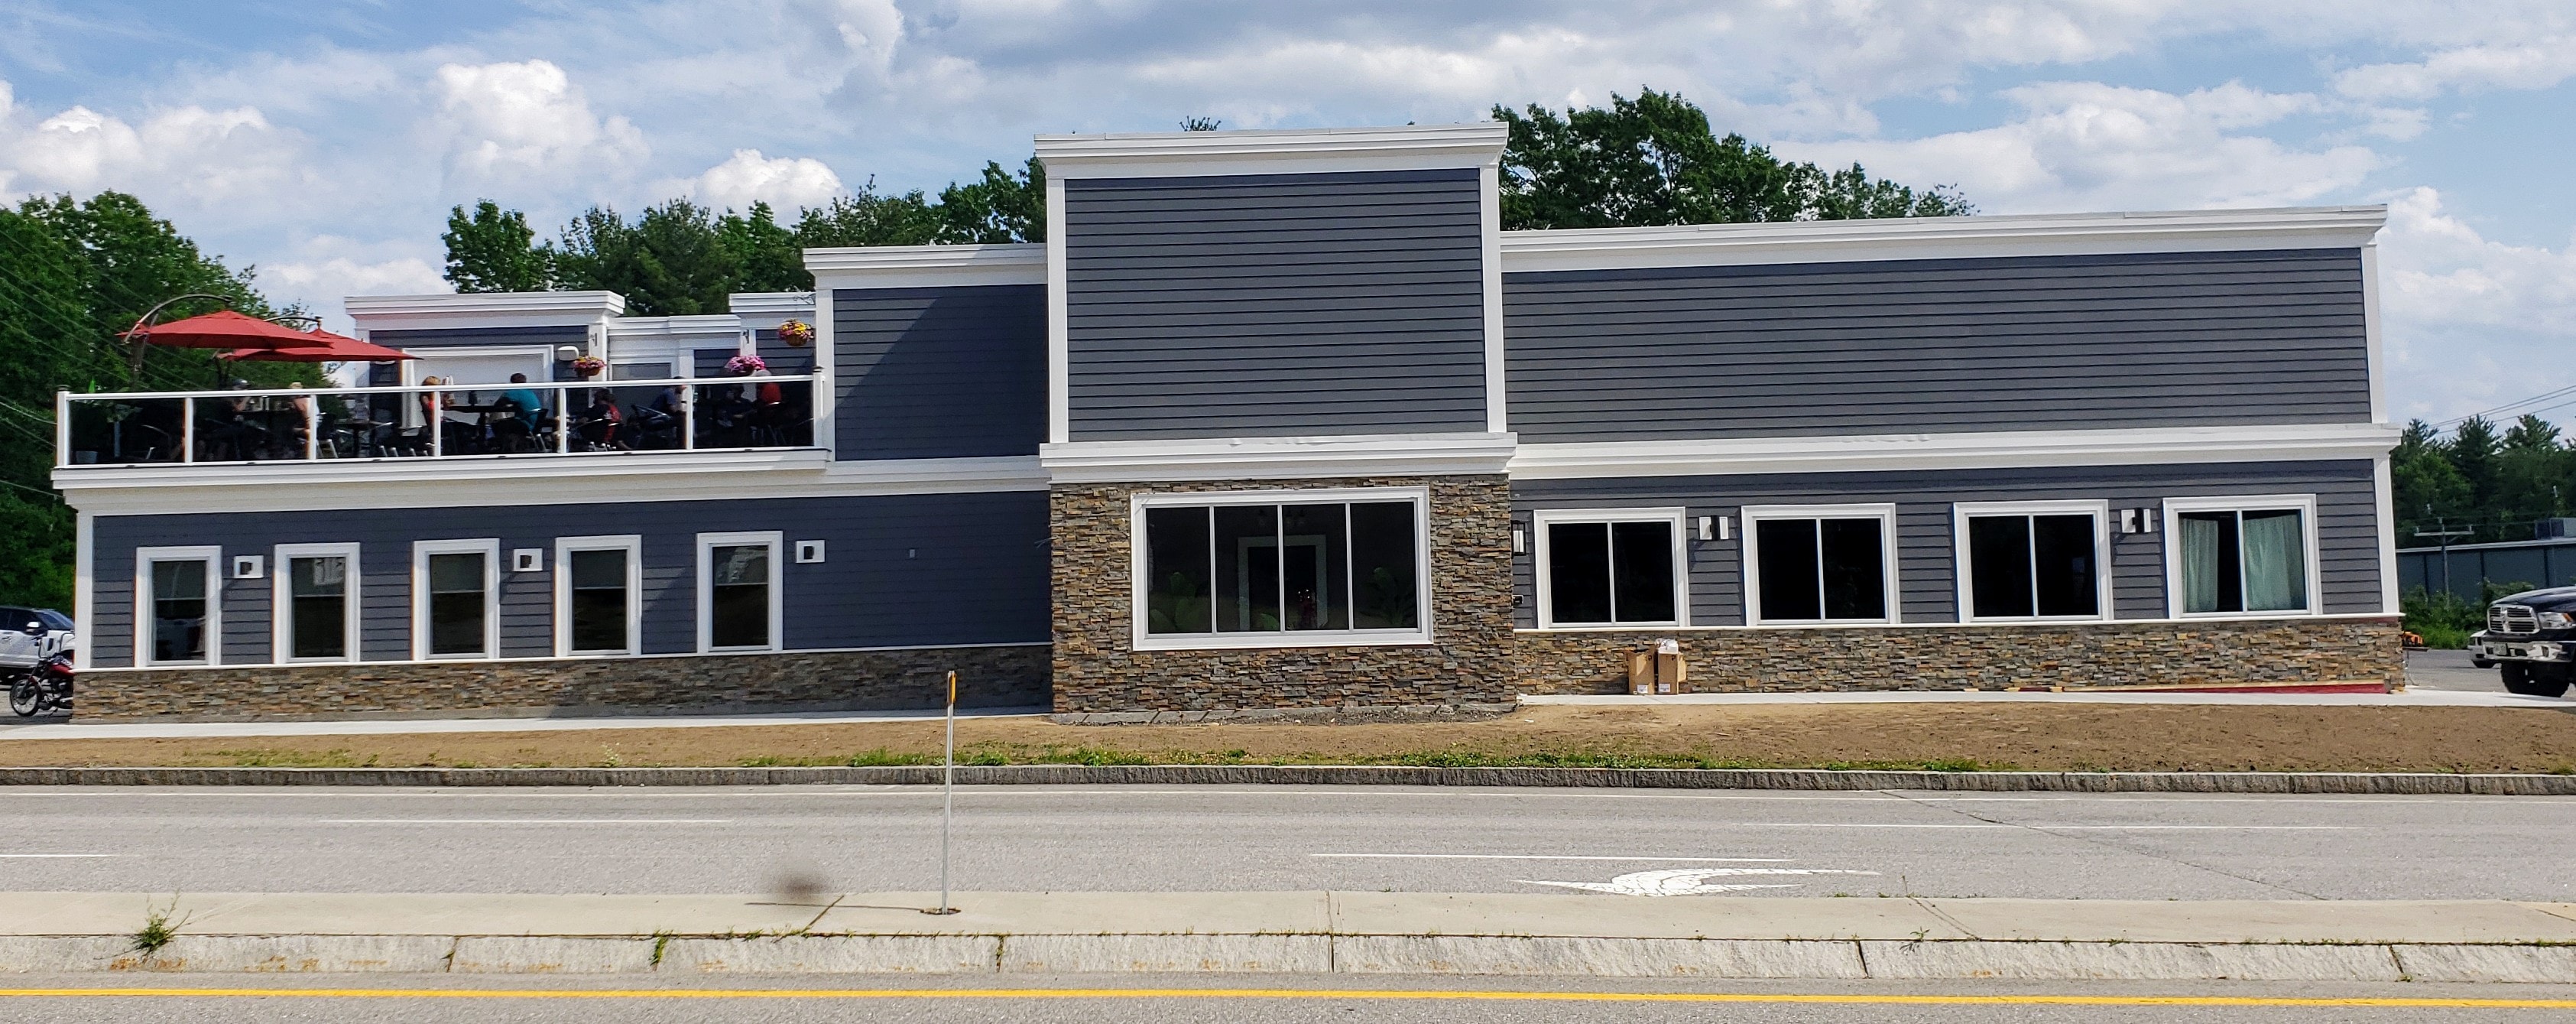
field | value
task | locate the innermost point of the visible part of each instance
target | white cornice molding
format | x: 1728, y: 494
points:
x: 1706, y: 245
x: 1291, y: 151
x: 638, y: 327
x: 484, y: 309
x: 926, y: 266
x: 766, y: 310
x: 2003, y: 449
x: 588, y: 478
x: 1277, y: 458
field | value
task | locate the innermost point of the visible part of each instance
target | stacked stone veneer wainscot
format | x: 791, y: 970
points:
x: 1014, y: 676
x: 1985, y: 657
x: 1469, y: 660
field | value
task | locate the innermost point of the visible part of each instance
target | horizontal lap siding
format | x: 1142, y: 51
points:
x: 927, y: 373
x: 482, y: 337
x: 901, y: 570
x: 2347, y: 529
x: 1275, y: 305
x: 2021, y: 343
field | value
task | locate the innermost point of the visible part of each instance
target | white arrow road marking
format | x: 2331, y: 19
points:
x: 1690, y: 881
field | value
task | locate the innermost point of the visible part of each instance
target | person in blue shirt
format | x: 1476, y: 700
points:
x: 531, y: 406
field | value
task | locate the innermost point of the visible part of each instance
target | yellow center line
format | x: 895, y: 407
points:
x: 1291, y: 993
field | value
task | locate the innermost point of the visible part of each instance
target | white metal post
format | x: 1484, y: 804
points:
x: 62, y: 428
x: 187, y: 430
x: 312, y: 428
x: 689, y: 416
x: 437, y: 427
x: 563, y: 419
x: 948, y: 794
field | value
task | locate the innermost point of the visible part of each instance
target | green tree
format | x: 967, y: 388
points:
x: 868, y: 217
x: 493, y: 250
x: 768, y: 258
x: 999, y: 207
x: 129, y: 261
x: 1653, y: 160
x: 668, y: 263
x: 2472, y: 451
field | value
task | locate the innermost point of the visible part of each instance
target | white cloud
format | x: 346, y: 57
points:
x: 786, y: 183
x: 2535, y: 64
x: 516, y: 120
x: 2091, y: 146
x: 189, y: 154
x: 2471, y: 322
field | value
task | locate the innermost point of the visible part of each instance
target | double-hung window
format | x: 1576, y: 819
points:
x: 599, y: 595
x: 1818, y: 564
x: 1611, y: 567
x: 456, y: 599
x: 178, y: 606
x: 315, y: 609
x: 2032, y: 560
x: 2241, y: 556
x: 1282, y: 568
x: 738, y: 594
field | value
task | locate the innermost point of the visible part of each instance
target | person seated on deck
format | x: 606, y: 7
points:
x: 527, y: 411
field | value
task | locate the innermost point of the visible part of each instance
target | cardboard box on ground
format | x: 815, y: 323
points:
x: 1660, y: 671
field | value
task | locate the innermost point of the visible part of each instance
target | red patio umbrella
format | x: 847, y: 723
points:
x: 227, y: 329
x: 331, y: 349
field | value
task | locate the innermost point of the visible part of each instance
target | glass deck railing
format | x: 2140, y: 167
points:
x: 433, y: 422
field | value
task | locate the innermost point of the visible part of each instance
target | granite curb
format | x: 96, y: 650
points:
x: 2369, y: 783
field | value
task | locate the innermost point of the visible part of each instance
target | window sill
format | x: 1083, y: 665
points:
x: 2286, y: 613
x: 1273, y: 641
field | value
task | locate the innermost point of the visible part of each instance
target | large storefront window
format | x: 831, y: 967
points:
x: 1610, y: 568
x: 1820, y: 565
x: 1290, y: 568
x: 2031, y: 561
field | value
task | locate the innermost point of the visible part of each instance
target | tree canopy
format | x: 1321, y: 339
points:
x: 1654, y: 160
x: 2494, y: 484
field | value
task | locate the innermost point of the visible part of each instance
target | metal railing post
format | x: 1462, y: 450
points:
x: 563, y: 419
x: 688, y: 417
x: 187, y: 430
x: 437, y: 427
x: 312, y: 428
x: 62, y: 428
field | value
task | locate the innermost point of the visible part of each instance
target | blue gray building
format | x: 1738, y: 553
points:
x: 1283, y: 419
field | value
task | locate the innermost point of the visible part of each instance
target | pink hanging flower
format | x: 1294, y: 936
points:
x: 745, y: 365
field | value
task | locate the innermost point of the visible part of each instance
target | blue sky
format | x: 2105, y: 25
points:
x: 324, y: 142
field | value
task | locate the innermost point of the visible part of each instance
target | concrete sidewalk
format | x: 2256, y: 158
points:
x: 1300, y: 932
x: 2412, y: 696
x: 59, y: 729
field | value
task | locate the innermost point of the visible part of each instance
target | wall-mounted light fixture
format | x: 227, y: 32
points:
x: 527, y: 559
x: 809, y: 551
x: 1520, y: 540
x: 2139, y: 520
x: 249, y: 567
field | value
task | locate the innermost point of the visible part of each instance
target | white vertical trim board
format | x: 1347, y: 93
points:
x: 281, y: 601
x: 1540, y: 572
x: 1138, y: 639
x: 2385, y: 492
x: 1489, y: 207
x: 490, y: 548
x: 2370, y: 331
x: 84, y: 586
x: 1963, y: 565
x: 1059, y: 316
x: 633, y: 545
x: 1893, y: 599
x: 210, y: 554
x: 2306, y: 504
x: 827, y: 387
x: 705, y: 610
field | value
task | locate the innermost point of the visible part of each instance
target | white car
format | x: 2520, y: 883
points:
x: 30, y: 635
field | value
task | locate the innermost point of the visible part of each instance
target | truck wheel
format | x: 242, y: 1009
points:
x: 2522, y: 680
x: 2478, y: 662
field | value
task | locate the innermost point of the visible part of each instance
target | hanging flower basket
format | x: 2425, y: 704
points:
x: 589, y: 366
x: 796, y: 333
x: 745, y: 365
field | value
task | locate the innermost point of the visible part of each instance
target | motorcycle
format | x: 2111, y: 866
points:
x: 45, y: 687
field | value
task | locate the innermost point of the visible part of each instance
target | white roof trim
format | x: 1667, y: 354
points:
x: 919, y: 266
x: 1173, y: 154
x: 1277, y: 458
x: 2324, y: 227
x: 765, y: 310
x: 2001, y: 449
x: 631, y: 328
x: 484, y: 309
x: 520, y: 480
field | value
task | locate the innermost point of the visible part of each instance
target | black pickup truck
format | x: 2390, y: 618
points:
x: 2532, y: 636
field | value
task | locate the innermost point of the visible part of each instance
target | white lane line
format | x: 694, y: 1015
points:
x: 2216, y: 828
x: 524, y: 821
x: 1691, y: 881
x: 801, y: 792
x: 60, y: 856
x: 1553, y: 856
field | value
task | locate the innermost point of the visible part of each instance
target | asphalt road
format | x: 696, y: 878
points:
x: 1289, y: 1004
x: 756, y: 840
x: 2450, y: 670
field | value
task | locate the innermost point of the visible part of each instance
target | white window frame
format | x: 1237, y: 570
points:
x: 281, y: 606
x: 1885, y: 513
x: 1961, y: 512
x: 633, y: 545
x: 1420, y: 634
x: 707, y: 544
x: 213, y: 556
x: 490, y: 547
x: 2304, y: 504
x: 1677, y: 518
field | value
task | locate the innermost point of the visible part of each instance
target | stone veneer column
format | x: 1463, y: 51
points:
x: 1469, y: 659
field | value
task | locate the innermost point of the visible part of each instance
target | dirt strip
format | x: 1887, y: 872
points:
x: 2035, y: 737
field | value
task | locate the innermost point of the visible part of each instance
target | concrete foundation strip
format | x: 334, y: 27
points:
x: 2377, y: 783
